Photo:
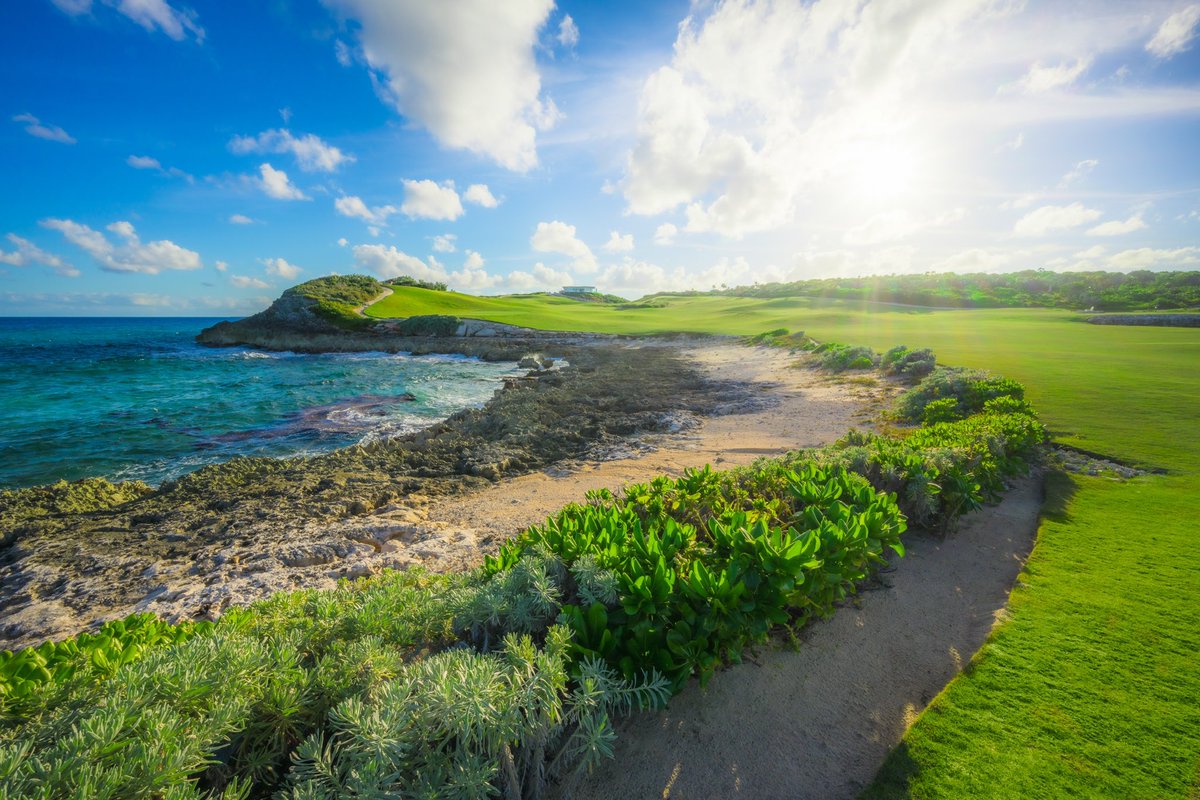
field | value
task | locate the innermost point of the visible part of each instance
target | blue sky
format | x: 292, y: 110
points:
x: 163, y: 158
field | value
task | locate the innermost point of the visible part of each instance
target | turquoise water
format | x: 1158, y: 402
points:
x: 139, y: 399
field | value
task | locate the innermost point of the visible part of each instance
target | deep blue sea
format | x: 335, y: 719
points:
x: 139, y: 399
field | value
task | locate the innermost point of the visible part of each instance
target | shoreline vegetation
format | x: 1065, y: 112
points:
x: 505, y: 678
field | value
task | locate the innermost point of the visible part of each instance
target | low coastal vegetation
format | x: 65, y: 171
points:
x: 1101, y: 291
x: 507, y: 678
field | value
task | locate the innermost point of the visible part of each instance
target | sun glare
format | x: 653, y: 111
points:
x: 881, y: 171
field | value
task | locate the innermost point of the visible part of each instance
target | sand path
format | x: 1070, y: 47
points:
x: 802, y: 408
x: 818, y: 722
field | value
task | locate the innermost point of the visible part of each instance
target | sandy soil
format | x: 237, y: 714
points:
x: 818, y: 723
x: 792, y: 408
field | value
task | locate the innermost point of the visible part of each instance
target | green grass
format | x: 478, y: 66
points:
x: 1091, y: 688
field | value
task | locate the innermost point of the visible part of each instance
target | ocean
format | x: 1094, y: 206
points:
x: 138, y: 399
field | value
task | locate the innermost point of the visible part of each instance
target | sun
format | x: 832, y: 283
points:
x: 881, y: 170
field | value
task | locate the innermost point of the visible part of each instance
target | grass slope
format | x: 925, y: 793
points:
x: 1090, y: 689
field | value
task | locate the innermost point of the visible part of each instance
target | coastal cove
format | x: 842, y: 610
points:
x: 139, y: 399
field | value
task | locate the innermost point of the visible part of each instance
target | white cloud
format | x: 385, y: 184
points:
x: 275, y: 183
x: 1176, y: 33
x: 973, y: 260
x: 618, y: 243
x: 897, y: 224
x: 1054, y: 218
x: 1045, y: 78
x: 1081, y: 170
x: 473, y: 261
x: 311, y: 153
x: 1020, y: 201
x: 240, y: 219
x: 444, y: 243
x: 351, y: 206
x: 568, y: 32
x: 247, y: 282
x: 428, y: 200
x: 389, y: 262
x: 52, y: 133
x: 1118, y: 227
x: 559, y: 237
x: 665, y: 233
x: 343, y: 241
x: 281, y: 268
x: 29, y: 253
x: 150, y: 14
x: 464, y: 71
x: 132, y: 255
x: 342, y: 52
x: 1014, y: 143
x: 539, y: 278
x: 1151, y: 258
x: 221, y: 266
x: 480, y: 195
x: 151, y: 163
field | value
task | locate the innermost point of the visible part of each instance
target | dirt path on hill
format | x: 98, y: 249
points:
x: 818, y: 723
x: 783, y: 408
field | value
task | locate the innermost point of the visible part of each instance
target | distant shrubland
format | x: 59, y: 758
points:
x: 1104, y: 291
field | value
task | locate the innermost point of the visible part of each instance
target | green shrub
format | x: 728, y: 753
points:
x: 428, y: 325
x: 908, y: 363
x: 705, y: 564
x: 944, y: 409
x: 841, y: 357
x: 970, y: 389
x: 408, y: 280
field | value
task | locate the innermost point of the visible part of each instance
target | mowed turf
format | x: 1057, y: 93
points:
x: 1091, y: 688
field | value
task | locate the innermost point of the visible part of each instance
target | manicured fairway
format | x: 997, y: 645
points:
x: 1092, y: 688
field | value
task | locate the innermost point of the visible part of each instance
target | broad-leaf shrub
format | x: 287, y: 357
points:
x: 837, y: 357
x: 907, y: 363
x: 969, y: 389
x: 708, y: 563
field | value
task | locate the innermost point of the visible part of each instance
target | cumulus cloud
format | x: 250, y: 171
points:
x: 130, y: 254
x: 425, y: 199
x: 480, y: 195
x: 765, y: 110
x: 240, y: 219
x: 351, y: 206
x: 1054, y: 218
x: 1176, y: 34
x: 1118, y: 227
x: 444, y: 243
x: 1154, y: 258
x: 51, y: 133
x: 281, y: 268
x: 665, y: 233
x: 221, y: 266
x: 463, y: 71
x: 473, y: 260
x: 176, y: 23
x: 1043, y: 78
x: 973, y: 260
x: 618, y: 243
x: 151, y: 163
x: 539, y: 278
x: 275, y: 183
x: 248, y: 282
x: 390, y: 262
x: 29, y: 253
x: 311, y: 153
x: 559, y: 237
x: 568, y: 32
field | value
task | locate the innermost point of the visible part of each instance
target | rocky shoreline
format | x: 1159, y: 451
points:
x: 230, y: 533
